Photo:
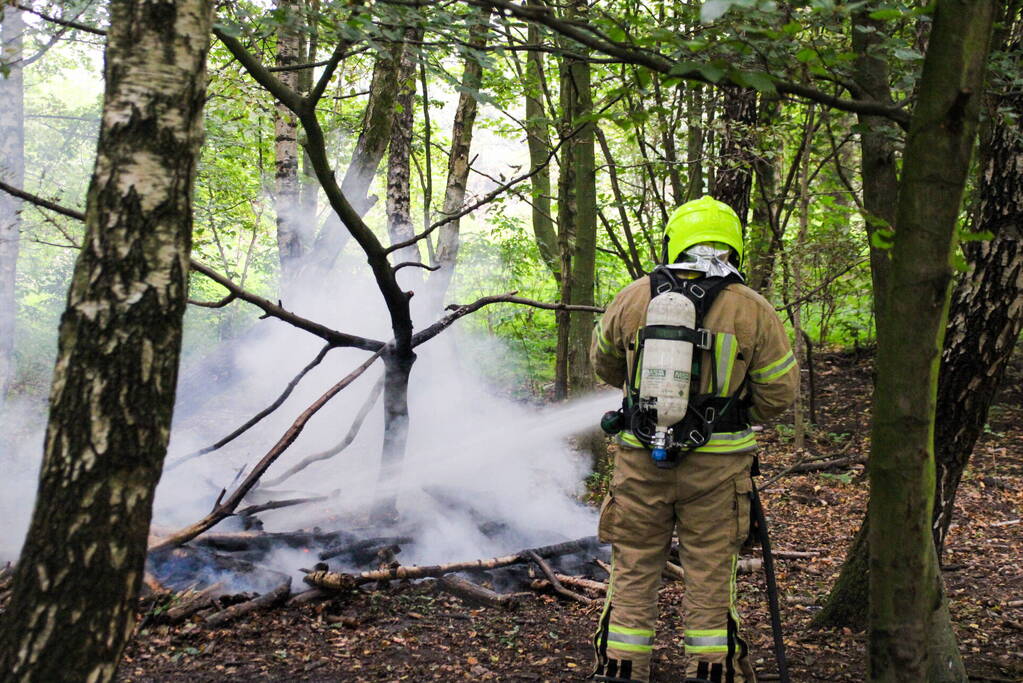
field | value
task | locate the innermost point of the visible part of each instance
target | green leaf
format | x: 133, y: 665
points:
x: 907, y: 55
x: 616, y: 33
x: 806, y: 55
x: 887, y: 14
x: 711, y: 72
x: 792, y: 28
x: 758, y: 80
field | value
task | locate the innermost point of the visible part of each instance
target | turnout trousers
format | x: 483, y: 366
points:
x: 706, y: 499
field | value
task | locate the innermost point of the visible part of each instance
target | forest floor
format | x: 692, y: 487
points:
x: 411, y: 632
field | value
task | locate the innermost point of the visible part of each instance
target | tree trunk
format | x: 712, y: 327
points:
x: 566, y: 220
x: 286, y: 182
x: 539, y: 149
x: 458, y: 167
x: 904, y: 600
x: 737, y: 154
x: 12, y: 171
x: 877, y: 148
x: 763, y: 244
x: 120, y: 337
x: 399, y: 189
x: 584, y: 247
x: 987, y: 306
x: 694, y: 142
x: 369, y: 151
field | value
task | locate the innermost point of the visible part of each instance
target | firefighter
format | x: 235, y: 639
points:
x: 745, y: 373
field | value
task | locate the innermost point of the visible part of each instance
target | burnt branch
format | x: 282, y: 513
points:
x: 228, y: 506
x: 67, y: 23
x: 554, y: 581
x: 353, y: 431
x: 264, y: 601
x: 415, y: 264
x: 255, y: 419
x: 273, y: 310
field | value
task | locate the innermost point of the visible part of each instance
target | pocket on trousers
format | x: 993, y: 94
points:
x: 743, y: 504
x: 607, y: 528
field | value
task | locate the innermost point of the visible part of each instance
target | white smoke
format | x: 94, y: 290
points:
x: 474, y: 457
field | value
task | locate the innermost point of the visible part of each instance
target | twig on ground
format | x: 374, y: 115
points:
x: 263, y: 601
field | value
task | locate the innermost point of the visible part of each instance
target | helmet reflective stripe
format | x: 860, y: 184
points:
x: 703, y: 220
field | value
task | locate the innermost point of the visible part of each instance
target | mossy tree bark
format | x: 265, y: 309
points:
x: 584, y: 246
x: 905, y: 595
x: 120, y: 337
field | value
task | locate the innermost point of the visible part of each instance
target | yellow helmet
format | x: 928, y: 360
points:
x: 702, y: 220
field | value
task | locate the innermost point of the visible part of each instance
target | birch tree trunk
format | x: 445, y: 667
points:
x: 120, y: 337
x: 987, y: 305
x: 399, y: 199
x: 905, y: 590
x: 12, y: 171
x: 286, y: 187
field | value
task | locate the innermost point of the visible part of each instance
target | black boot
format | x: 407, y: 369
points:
x: 615, y: 671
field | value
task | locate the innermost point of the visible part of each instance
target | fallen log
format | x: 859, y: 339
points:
x: 361, y: 547
x: 266, y: 540
x: 343, y: 582
x: 476, y: 594
x: 307, y: 596
x: 263, y: 601
x: 186, y: 608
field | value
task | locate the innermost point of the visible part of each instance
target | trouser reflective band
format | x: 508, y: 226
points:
x: 706, y: 641
x: 630, y: 639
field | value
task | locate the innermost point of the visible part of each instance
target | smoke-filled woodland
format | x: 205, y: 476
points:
x: 310, y: 310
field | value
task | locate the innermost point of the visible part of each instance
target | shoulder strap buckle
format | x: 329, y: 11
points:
x: 704, y: 339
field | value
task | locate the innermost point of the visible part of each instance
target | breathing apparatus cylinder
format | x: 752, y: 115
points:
x: 666, y: 369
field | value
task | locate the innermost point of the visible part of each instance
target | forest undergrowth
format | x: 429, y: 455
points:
x: 411, y: 632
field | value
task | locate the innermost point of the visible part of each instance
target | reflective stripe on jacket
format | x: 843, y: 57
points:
x: 749, y: 339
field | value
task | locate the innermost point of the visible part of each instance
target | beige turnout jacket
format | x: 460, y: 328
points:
x: 749, y: 339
